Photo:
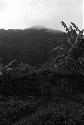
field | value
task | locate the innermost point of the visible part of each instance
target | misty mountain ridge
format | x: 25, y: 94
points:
x: 37, y: 27
x: 34, y: 27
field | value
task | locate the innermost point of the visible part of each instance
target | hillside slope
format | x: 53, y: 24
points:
x: 29, y: 45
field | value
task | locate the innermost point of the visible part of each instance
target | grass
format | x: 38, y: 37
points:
x: 55, y: 113
x: 14, y: 108
x: 40, y: 111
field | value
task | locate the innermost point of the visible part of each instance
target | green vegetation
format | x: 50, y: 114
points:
x: 29, y: 45
x: 49, y: 94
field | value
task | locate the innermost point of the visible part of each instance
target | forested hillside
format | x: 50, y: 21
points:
x: 29, y: 45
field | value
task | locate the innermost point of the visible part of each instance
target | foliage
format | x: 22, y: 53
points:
x: 73, y: 52
x: 68, y: 58
x: 49, y: 82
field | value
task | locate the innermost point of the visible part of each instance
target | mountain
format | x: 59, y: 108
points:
x: 45, y: 29
x: 29, y: 45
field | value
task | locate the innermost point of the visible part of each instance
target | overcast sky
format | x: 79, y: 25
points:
x: 49, y: 13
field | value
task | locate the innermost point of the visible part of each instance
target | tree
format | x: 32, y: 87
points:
x: 74, y: 56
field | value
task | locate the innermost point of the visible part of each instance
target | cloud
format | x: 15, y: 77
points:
x: 3, y: 5
x: 25, y: 13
